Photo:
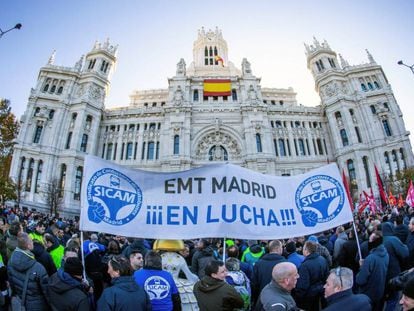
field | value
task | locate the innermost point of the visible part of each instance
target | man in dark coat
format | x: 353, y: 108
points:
x: 410, y: 243
x: 338, y: 292
x: 202, y: 256
x: 401, y: 229
x: 22, y: 263
x: 44, y: 257
x: 66, y: 290
x: 372, y: 277
x: 313, y: 273
x: 262, y: 270
x: 213, y: 293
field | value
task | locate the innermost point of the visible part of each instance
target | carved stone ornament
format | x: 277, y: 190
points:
x: 95, y: 92
x: 217, y: 139
x: 178, y: 96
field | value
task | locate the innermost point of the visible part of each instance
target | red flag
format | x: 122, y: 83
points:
x: 400, y: 201
x: 382, y: 193
x: 348, y: 193
x: 362, y: 204
x: 391, y: 199
x: 410, y: 195
x: 371, y: 202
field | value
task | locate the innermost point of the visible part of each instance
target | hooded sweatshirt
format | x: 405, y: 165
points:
x: 216, y: 295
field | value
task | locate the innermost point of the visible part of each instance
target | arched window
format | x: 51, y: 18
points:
x: 38, y: 175
x: 402, y: 157
x: 51, y: 114
x: 387, y: 128
x: 366, y: 169
x: 218, y: 153
x: 109, y: 151
x: 38, y: 133
x: 319, y: 144
x: 60, y: 90
x: 275, y: 145
x: 258, y: 143
x: 23, y: 160
x: 282, y: 147
x: 388, y: 162
x: 358, y: 134
x: 129, y: 151
x: 46, y: 88
x: 37, y: 111
x: 344, y: 137
x: 68, y: 140
x: 363, y: 87
x: 84, y: 143
x: 370, y: 86
x: 301, y: 144
x: 53, y: 88
x: 62, y: 180
x: 176, y: 144
x: 150, y: 151
x: 233, y: 95
x: 373, y: 110
x: 351, y: 170
x: 195, y: 96
x: 78, y: 183
x: 29, y: 176
x: 74, y: 116
x: 395, y: 161
x: 386, y: 106
x: 376, y: 85
x: 88, y: 122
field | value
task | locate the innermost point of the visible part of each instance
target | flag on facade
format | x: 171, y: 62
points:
x: 348, y: 193
x: 383, y: 195
x: 217, y: 87
x: 362, y: 204
x: 410, y: 195
x: 219, y: 59
x: 400, y: 201
x: 392, y: 200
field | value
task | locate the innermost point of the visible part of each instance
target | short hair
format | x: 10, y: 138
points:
x: 339, y: 229
x: 15, y: 228
x: 310, y: 247
x: 378, y: 237
x: 49, y: 238
x: 343, y: 277
x: 233, y: 251
x: 23, y: 240
x: 282, y: 271
x: 213, y: 267
x: 233, y: 264
x: 153, y: 260
x: 275, y: 245
x: 121, y: 264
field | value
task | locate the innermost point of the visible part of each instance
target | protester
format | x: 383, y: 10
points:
x: 241, y: 283
x: 410, y: 242
x: 37, y: 232
x: 136, y: 259
x: 213, y: 293
x: 252, y: 253
x: 42, y: 256
x: 159, y: 284
x: 313, y: 273
x: 341, y: 238
x: 407, y: 299
x: 11, y: 237
x: 322, y: 250
x: 202, y: 256
x: 276, y: 296
x: 262, y: 270
x: 22, y: 265
x: 67, y: 292
x: 338, y: 292
x: 372, y: 276
x: 54, y: 249
x: 124, y: 294
x: 292, y: 255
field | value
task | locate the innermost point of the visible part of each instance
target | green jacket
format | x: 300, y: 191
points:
x: 57, y: 254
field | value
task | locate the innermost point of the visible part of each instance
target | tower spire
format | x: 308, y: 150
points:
x: 370, y: 58
x: 344, y: 63
x: 51, y: 60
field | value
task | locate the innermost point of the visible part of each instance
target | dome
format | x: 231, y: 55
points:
x: 169, y: 245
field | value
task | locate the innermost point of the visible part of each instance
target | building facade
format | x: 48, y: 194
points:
x: 357, y: 125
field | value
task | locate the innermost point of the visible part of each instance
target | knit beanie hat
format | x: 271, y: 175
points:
x: 73, y: 266
x: 290, y: 247
x: 409, y: 288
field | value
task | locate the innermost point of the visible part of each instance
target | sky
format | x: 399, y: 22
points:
x: 153, y: 35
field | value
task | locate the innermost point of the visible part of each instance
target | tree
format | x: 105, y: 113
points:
x: 9, y: 128
x: 53, y: 196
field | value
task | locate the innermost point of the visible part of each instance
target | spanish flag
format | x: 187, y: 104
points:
x: 217, y: 87
x: 219, y: 60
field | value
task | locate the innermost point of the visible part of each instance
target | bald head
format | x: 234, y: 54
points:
x: 285, y: 274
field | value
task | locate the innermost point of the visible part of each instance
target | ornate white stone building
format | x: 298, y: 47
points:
x: 358, y: 123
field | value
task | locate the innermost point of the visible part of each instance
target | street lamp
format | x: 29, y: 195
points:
x: 400, y: 62
x: 18, y: 26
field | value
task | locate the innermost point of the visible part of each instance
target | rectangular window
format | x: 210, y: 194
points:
x: 150, y: 151
x: 129, y: 151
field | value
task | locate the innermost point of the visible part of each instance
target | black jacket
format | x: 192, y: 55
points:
x: 346, y: 300
x: 44, y: 258
x: 21, y: 263
x: 67, y: 293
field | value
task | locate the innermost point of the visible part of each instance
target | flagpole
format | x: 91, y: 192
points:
x: 83, y: 257
x: 224, y: 249
x: 357, y: 239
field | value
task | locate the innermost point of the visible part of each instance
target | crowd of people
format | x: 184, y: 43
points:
x: 365, y: 266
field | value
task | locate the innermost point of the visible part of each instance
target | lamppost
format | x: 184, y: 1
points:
x: 400, y: 62
x: 17, y: 26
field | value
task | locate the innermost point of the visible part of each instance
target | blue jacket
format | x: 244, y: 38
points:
x: 346, y: 299
x: 296, y: 259
x: 410, y: 244
x: 397, y: 251
x: 125, y: 295
x: 372, y: 276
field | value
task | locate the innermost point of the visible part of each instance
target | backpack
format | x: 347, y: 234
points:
x: 238, y: 280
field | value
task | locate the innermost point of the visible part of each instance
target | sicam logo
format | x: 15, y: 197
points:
x: 112, y: 197
x: 157, y: 287
x: 319, y: 199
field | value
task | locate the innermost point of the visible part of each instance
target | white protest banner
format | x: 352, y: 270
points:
x: 219, y: 200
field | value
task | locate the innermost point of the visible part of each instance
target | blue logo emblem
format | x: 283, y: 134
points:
x: 112, y: 197
x: 157, y: 287
x: 319, y: 199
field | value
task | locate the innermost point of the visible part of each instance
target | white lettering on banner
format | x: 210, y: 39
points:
x: 213, y: 201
